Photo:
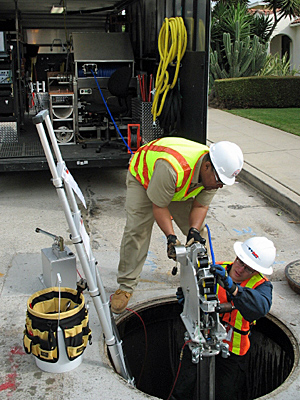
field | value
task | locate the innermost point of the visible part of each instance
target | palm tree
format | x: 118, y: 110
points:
x: 261, y: 26
x: 282, y: 9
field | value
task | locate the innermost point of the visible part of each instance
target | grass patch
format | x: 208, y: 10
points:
x: 286, y: 119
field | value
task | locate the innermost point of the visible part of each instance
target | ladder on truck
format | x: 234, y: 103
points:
x: 66, y: 187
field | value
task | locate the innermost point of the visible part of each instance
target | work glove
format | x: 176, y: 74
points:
x: 180, y: 295
x: 223, y: 278
x: 172, y: 242
x: 194, y: 236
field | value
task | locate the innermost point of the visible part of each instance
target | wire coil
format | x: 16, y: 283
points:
x: 172, y: 43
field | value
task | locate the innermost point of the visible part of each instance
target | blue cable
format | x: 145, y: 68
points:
x: 210, y: 244
x: 118, y: 130
x: 211, y: 251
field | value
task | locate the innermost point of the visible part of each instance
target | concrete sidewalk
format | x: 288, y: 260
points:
x: 272, y: 156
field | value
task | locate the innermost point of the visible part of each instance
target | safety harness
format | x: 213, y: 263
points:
x: 49, y: 309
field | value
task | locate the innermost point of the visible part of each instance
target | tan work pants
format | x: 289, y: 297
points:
x: 137, y: 232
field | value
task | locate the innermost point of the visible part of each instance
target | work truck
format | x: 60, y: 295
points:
x: 113, y: 75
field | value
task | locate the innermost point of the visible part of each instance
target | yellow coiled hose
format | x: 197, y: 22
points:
x: 172, y: 42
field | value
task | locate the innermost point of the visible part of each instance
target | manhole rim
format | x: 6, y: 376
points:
x: 165, y: 300
x: 294, y: 285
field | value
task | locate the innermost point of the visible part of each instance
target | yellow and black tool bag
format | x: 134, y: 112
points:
x: 43, y: 318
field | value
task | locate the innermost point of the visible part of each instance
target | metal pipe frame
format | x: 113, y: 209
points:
x: 72, y: 213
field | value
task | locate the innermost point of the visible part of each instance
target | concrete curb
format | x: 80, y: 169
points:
x: 274, y: 191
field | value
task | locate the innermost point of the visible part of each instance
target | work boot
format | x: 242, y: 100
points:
x: 119, y: 301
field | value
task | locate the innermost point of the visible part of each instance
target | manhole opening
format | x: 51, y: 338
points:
x: 153, y: 358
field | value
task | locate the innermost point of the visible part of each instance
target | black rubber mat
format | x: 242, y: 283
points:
x: 11, y: 150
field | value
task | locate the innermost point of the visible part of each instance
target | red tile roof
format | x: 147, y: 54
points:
x: 296, y: 21
x: 262, y: 11
x: 269, y: 12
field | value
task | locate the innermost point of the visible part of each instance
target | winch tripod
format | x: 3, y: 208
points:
x: 65, y: 187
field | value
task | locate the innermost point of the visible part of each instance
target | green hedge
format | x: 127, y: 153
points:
x: 258, y: 92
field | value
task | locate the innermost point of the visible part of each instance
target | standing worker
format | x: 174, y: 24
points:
x: 243, y: 285
x: 169, y: 177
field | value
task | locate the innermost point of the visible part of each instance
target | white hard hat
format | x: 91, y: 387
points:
x: 227, y: 159
x: 258, y: 253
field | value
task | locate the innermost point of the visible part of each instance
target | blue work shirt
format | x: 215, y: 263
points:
x: 253, y: 303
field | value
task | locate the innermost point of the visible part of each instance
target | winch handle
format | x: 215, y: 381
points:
x: 59, y: 239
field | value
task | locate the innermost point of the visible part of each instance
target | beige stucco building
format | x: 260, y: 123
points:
x: 286, y: 36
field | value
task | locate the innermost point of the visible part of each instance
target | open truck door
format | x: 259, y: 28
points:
x: 66, y: 63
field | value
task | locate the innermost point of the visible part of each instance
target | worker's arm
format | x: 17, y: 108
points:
x: 254, y: 303
x: 197, y: 215
x: 163, y: 218
x: 162, y: 185
x: 160, y: 191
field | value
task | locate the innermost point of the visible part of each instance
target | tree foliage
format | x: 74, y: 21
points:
x: 243, y: 58
x: 262, y: 26
x: 236, y: 48
x: 276, y: 66
x: 282, y: 9
x: 225, y: 14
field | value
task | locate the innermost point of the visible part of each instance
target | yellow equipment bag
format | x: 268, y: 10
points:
x: 43, y: 318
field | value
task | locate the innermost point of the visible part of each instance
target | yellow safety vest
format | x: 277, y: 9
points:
x: 181, y: 153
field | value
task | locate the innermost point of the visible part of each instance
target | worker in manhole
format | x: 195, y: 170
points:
x: 169, y: 177
x: 243, y: 284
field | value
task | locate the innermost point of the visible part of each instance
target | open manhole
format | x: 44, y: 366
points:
x: 153, y: 335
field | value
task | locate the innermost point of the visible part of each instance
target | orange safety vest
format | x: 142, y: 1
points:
x: 181, y: 153
x: 234, y: 322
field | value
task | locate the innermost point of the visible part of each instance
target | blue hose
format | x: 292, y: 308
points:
x: 210, y: 244
x: 211, y: 251
x: 112, y: 118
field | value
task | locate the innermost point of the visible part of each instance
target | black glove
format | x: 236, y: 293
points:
x: 172, y: 242
x: 194, y: 236
x: 179, y: 295
x: 223, y: 278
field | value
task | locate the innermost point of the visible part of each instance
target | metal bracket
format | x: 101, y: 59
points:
x: 199, y: 315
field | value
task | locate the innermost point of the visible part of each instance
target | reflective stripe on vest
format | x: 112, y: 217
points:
x: 182, y: 154
x: 239, y: 343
